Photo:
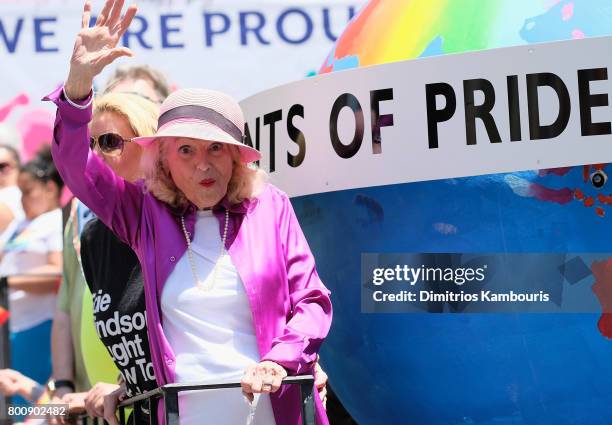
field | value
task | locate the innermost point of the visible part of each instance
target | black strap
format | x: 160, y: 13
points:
x: 65, y: 383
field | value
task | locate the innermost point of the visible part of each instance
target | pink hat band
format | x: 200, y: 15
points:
x: 204, y: 114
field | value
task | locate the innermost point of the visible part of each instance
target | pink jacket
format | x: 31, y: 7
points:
x: 291, y: 307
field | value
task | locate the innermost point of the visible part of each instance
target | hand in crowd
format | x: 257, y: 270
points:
x: 75, y: 402
x: 96, y: 47
x: 263, y: 377
x: 59, y: 397
x: 321, y: 382
x: 13, y: 382
x: 102, y: 400
x: 59, y: 394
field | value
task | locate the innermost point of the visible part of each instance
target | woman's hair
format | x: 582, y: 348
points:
x: 13, y: 152
x: 134, y: 72
x: 244, y: 183
x: 140, y: 113
x: 42, y: 168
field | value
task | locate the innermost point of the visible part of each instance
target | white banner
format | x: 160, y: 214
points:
x: 236, y: 46
x: 502, y: 110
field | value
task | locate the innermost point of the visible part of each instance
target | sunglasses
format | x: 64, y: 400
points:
x: 109, y: 143
x: 5, y: 166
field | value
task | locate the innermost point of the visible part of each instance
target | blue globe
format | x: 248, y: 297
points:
x: 485, y: 369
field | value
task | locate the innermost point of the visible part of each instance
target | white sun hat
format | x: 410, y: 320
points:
x: 205, y: 115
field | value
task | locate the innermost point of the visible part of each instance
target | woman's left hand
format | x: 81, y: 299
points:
x: 321, y: 382
x: 263, y: 377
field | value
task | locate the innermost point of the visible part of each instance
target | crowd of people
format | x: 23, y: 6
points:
x: 178, y: 261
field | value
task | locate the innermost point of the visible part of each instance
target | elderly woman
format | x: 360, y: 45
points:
x: 230, y: 283
x: 111, y: 268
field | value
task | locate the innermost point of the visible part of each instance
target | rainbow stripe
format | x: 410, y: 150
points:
x: 394, y: 30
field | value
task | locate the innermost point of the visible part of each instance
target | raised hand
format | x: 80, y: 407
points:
x: 96, y: 47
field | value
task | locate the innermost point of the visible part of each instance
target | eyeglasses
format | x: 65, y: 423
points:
x: 5, y: 166
x: 109, y: 144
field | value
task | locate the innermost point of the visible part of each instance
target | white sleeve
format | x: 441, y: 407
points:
x: 55, y: 239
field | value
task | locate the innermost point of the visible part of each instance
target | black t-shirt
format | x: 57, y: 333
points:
x: 114, y: 277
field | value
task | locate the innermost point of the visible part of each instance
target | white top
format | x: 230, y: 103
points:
x: 212, y: 333
x: 11, y: 197
x: 27, y: 248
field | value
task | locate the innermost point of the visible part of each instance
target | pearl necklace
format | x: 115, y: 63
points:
x: 203, y: 286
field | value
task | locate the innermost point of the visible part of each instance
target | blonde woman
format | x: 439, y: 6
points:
x: 111, y: 268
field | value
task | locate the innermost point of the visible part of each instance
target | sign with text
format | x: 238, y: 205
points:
x: 495, y: 111
x: 233, y: 46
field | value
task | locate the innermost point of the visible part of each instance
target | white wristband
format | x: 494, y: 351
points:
x: 76, y: 105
